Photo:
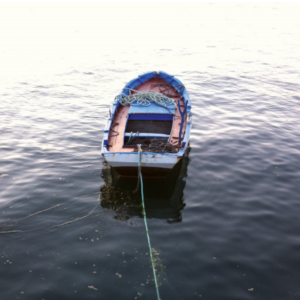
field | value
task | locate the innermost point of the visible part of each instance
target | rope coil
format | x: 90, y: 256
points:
x: 145, y: 98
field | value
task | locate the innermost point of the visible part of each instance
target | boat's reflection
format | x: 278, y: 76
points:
x: 164, y: 197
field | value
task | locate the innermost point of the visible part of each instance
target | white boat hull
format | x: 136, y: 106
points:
x: 153, y: 164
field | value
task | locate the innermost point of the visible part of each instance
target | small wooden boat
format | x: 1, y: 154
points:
x: 154, y: 111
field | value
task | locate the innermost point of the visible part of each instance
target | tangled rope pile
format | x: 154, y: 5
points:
x: 145, y: 98
x: 160, y: 146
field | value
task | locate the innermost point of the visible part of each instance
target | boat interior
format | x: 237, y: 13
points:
x: 136, y: 124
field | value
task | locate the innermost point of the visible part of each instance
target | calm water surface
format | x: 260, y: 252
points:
x: 224, y: 224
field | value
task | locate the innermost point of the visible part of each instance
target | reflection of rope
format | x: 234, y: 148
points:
x: 37, y: 213
x: 59, y: 225
x: 145, y: 220
x: 69, y: 222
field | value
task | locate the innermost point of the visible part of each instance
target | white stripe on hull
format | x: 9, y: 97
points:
x: 153, y: 160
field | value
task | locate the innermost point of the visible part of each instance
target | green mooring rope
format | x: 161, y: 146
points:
x: 145, y: 220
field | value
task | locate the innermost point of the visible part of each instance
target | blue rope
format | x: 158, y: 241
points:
x: 145, y: 220
x: 182, y: 113
x: 129, y: 138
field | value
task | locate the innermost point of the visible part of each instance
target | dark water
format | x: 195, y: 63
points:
x: 224, y: 224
